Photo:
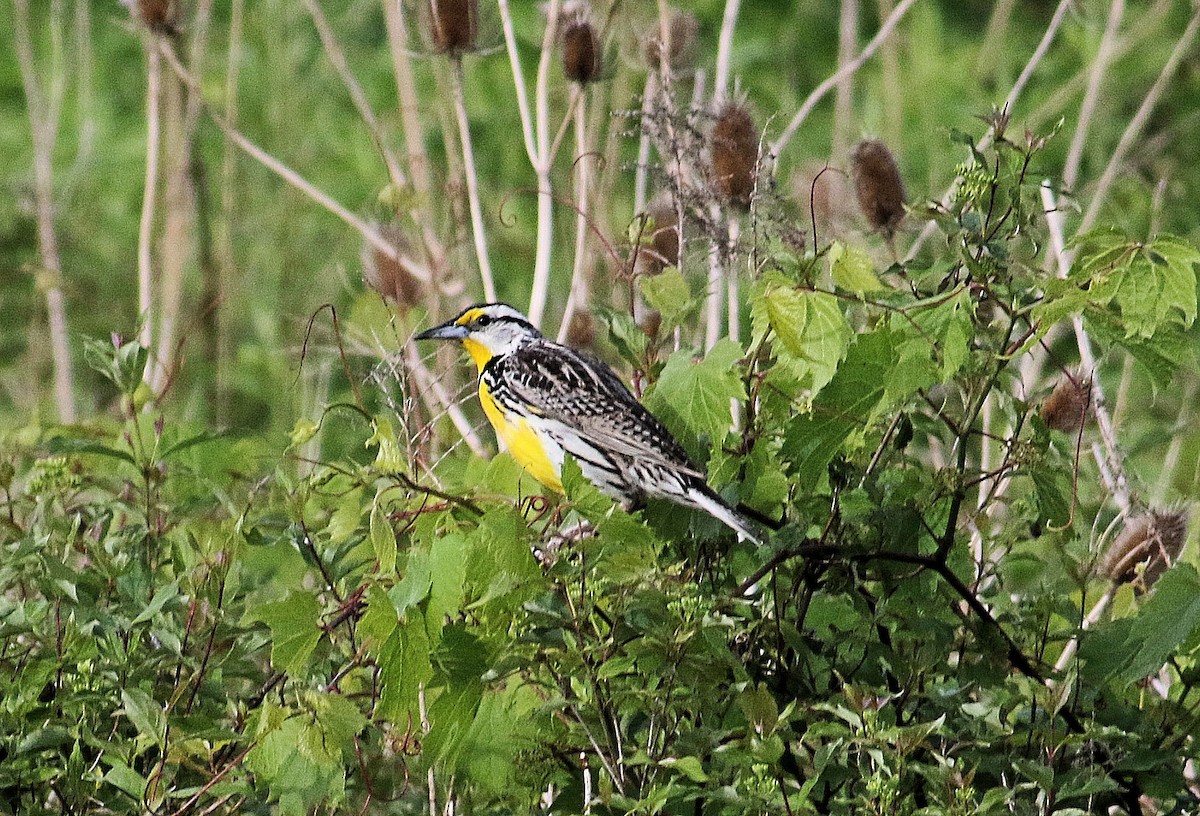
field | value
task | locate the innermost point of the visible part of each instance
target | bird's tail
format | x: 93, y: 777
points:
x: 704, y: 498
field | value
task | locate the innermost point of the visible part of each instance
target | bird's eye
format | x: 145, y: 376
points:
x: 483, y: 320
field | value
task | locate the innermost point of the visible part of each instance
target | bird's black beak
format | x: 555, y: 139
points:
x: 446, y: 331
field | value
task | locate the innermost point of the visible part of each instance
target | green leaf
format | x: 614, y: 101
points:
x: 66, y: 444
x: 1169, y: 618
x: 695, y: 397
x: 202, y: 438
x: 668, y: 293
x: 161, y: 596
x: 448, y: 567
x: 383, y: 540
x: 124, y: 778
x: 414, y: 586
x: 851, y: 401
x: 810, y: 327
x: 852, y: 269
x: 145, y: 713
x: 294, y: 631
x: 389, y: 456
x: 689, y: 766
x: 404, y: 668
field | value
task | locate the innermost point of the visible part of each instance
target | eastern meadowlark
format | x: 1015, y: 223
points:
x: 546, y: 400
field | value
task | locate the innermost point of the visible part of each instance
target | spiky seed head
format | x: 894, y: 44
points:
x: 660, y: 239
x: 581, y: 331
x: 1068, y: 404
x: 580, y: 52
x: 158, y: 15
x: 878, y: 185
x: 1152, y: 540
x: 679, y: 47
x: 651, y: 323
x: 734, y: 154
x: 454, y: 25
x: 393, y: 279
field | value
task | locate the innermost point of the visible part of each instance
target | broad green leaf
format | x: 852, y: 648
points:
x: 389, y: 456
x: 696, y: 396
x: 161, y: 596
x: 383, y: 540
x: 145, y: 713
x: 852, y: 269
x: 124, y: 778
x: 414, y: 586
x: 809, y: 326
x: 404, y: 669
x: 938, y: 329
x: 448, y: 568
x: 668, y: 293
x: 689, y: 766
x: 1169, y: 618
x: 294, y: 631
x: 850, y: 402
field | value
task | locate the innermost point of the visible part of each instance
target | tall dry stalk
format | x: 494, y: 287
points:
x: 44, y: 107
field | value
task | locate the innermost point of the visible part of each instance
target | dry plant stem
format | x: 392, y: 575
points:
x: 716, y: 279
x: 1104, y: 56
x: 542, y: 163
x: 893, y: 87
x: 337, y: 58
x: 318, y: 196
x: 641, y: 169
x: 579, y: 293
x: 724, y: 51
x: 819, y: 92
x: 414, y: 144
x: 1072, y: 645
x: 843, y: 102
x: 472, y: 178
x: 146, y: 224
x: 1009, y: 102
x: 1110, y: 461
x: 1171, y: 460
x: 1146, y: 25
x: 1138, y: 122
x: 437, y: 400
x: 996, y: 36
x: 225, y: 260
x: 731, y: 291
x: 44, y: 117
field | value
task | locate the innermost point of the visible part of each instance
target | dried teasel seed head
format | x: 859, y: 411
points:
x: 1154, y: 539
x: 580, y: 52
x: 651, y: 323
x: 393, y: 279
x: 734, y: 154
x: 679, y: 45
x: 453, y: 25
x: 159, y: 16
x: 1067, y: 406
x: 660, y: 238
x: 878, y: 185
x: 581, y: 331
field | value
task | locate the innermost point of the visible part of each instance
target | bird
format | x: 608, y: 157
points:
x: 546, y: 400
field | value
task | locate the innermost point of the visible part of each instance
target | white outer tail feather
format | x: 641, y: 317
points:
x: 724, y: 513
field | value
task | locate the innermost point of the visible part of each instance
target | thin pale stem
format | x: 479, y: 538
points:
x: 830, y: 82
x: 578, y: 297
x: 843, y: 102
x: 1138, y: 122
x: 43, y: 123
x: 522, y: 92
x: 471, y: 175
x: 337, y: 58
x: 725, y: 51
x: 1109, y: 459
x: 1104, y: 56
x: 149, y: 191
x: 318, y: 196
x: 541, y: 166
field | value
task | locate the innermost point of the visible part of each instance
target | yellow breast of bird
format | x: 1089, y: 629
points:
x: 539, y: 455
